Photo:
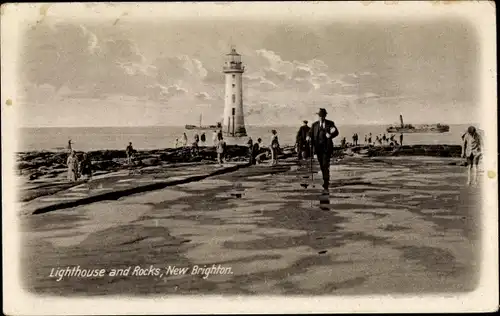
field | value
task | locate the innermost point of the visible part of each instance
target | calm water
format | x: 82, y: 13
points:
x: 96, y: 138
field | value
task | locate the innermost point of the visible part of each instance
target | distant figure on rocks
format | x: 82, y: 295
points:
x: 220, y: 148
x: 366, y: 139
x: 274, y: 146
x: 184, y: 140
x: 250, y: 149
x: 203, y: 139
x: 195, y: 146
x: 401, y: 139
x: 370, y: 139
x: 321, y: 136
x: 343, y: 142
x: 256, y: 151
x: 130, y: 153
x: 72, y: 164
x: 69, y: 147
x: 355, y: 139
x: 472, y: 151
x: 86, y: 166
x: 302, y: 146
x: 214, y: 138
x: 384, y: 138
x: 176, y: 142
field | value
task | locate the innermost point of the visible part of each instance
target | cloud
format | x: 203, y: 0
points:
x: 179, y: 68
x: 300, y: 85
x: 93, y: 42
x: 313, y: 76
x: 203, y: 96
x: 274, y: 75
x: 78, y: 63
x: 302, y: 72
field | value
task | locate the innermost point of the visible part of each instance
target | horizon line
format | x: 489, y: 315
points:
x: 246, y: 125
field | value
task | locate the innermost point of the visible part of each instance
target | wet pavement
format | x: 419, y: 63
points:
x: 387, y: 226
x: 82, y: 192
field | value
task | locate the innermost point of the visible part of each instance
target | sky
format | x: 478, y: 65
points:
x: 143, y: 73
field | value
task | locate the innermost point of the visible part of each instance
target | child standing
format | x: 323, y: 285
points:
x: 220, y: 148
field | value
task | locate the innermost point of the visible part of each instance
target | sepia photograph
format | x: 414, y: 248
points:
x: 249, y: 157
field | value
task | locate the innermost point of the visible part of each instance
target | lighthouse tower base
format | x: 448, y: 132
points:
x: 236, y: 140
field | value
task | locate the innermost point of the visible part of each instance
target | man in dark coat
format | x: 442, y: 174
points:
x: 302, y: 145
x: 321, y: 136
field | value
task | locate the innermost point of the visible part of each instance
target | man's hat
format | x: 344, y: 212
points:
x: 322, y: 112
x: 305, y: 121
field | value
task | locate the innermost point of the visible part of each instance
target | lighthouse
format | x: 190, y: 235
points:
x: 233, y: 122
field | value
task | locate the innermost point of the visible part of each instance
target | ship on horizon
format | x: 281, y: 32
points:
x: 422, y: 128
x: 206, y: 127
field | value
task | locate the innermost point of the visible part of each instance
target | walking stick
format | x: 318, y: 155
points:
x: 311, y: 164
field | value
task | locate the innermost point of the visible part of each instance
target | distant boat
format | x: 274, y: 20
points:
x: 206, y: 127
x: 424, y: 128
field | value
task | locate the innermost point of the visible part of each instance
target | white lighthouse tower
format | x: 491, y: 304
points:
x: 234, y: 123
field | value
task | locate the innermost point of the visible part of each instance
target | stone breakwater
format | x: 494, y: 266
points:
x: 445, y: 151
x: 34, y: 165
x: 51, y: 164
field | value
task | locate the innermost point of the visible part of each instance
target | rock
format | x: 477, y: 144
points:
x: 35, y: 175
x: 105, y: 165
x: 150, y: 162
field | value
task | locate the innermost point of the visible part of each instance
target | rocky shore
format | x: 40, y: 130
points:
x: 45, y: 164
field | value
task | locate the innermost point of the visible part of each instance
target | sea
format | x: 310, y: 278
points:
x: 159, y: 137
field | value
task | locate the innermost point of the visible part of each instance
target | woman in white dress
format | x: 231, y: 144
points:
x: 275, y: 145
x: 72, y: 164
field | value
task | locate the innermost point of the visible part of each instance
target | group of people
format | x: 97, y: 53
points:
x: 257, y: 152
x: 381, y: 139
x: 318, y: 140
x: 78, y: 168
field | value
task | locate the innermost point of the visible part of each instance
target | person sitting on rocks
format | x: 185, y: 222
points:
x: 130, y: 153
x: 86, y: 166
x: 256, y: 151
x: 203, y: 139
